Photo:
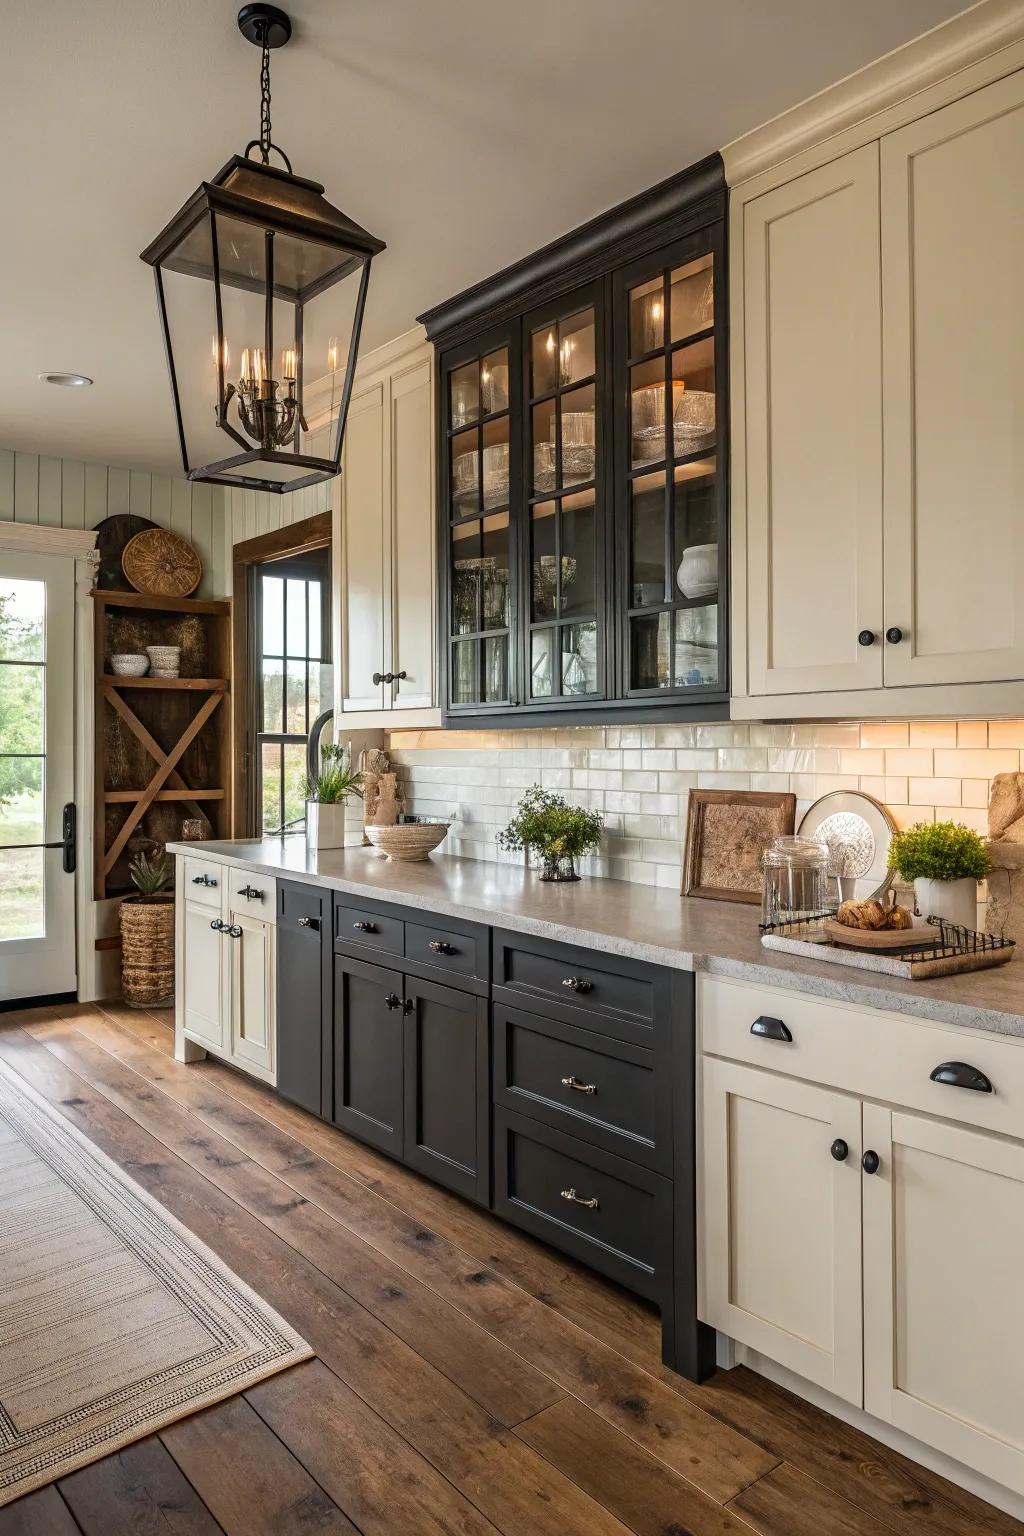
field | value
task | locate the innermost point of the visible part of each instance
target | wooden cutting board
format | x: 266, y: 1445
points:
x: 881, y: 940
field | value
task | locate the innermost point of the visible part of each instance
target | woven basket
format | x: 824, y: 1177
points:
x: 147, y: 950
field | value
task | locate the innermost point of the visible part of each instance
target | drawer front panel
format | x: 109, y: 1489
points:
x: 204, y: 882
x: 304, y: 908
x: 607, y: 1212
x: 443, y: 949
x: 583, y: 1083
x: 367, y: 927
x: 616, y: 996
x: 254, y: 895
x: 877, y: 1055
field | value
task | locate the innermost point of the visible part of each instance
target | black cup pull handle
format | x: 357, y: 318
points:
x: 960, y: 1074
x: 771, y: 1029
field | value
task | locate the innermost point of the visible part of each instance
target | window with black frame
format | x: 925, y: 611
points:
x: 294, y: 680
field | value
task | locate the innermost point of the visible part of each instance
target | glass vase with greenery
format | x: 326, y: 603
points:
x: 560, y: 833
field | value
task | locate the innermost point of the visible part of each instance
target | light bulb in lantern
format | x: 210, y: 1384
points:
x: 550, y: 343
x: 332, y: 355
x: 253, y: 368
x: 288, y: 365
x: 220, y: 352
x: 656, y: 310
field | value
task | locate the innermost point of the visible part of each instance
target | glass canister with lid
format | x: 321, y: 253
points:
x: 796, y: 881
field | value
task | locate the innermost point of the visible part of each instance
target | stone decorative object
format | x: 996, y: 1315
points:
x: 389, y: 802
x: 1004, y: 913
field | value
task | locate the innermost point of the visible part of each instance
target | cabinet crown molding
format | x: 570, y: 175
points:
x: 974, y: 38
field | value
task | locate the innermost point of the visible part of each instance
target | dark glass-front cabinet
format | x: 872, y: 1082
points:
x: 582, y: 412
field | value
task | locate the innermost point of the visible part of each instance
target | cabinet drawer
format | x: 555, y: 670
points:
x: 602, y: 1090
x: 545, y: 1182
x: 204, y: 882
x: 302, y: 908
x: 367, y: 927
x: 457, y: 954
x: 254, y: 895
x: 867, y: 1052
x: 616, y: 996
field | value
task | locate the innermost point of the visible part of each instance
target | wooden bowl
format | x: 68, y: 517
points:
x: 409, y: 842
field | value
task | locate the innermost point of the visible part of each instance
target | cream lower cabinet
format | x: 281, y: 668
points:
x: 878, y: 407
x: 385, y: 542
x: 871, y: 1249
x: 226, y: 957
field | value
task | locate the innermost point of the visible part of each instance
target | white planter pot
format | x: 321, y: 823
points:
x: 325, y: 825
x: 955, y: 900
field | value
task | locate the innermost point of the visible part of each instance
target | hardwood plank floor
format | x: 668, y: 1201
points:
x: 468, y: 1380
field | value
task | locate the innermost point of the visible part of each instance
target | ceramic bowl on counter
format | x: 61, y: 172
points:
x: 408, y: 842
x: 129, y: 665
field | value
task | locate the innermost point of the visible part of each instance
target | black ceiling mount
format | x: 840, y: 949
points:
x: 265, y: 25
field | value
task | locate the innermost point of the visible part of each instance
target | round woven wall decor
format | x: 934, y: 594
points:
x: 161, y: 564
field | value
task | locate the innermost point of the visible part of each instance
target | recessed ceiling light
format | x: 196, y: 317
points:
x: 66, y: 380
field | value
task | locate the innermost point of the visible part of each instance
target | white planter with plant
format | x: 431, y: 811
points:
x: 547, y: 824
x: 326, y: 797
x: 944, y: 861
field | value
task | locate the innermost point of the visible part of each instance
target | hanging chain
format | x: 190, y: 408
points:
x: 265, y: 103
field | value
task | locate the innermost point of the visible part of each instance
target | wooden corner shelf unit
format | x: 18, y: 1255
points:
x: 163, y: 745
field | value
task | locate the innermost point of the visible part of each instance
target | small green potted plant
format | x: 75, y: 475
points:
x: 147, y: 933
x: 944, y: 861
x: 559, y: 832
x: 326, y: 795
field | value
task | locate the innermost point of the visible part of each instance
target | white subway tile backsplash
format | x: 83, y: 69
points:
x: 639, y: 777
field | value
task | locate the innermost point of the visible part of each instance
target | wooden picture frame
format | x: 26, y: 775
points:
x: 727, y: 832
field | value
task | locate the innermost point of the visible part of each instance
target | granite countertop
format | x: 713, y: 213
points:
x: 619, y: 918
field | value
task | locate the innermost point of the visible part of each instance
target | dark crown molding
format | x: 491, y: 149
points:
x: 685, y: 201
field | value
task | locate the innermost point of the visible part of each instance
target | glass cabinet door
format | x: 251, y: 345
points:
x: 564, y: 393
x: 480, y: 485
x: 670, y: 502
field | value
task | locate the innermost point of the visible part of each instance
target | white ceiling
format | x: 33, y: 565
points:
x: 465, y: 133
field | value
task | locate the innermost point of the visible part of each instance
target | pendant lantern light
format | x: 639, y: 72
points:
x: 261, y: 286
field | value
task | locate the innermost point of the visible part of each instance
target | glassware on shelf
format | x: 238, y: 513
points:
x: 543, y: 466
x: 494, y: 383
x: 577, y: 445
x: 495, y: 474
x: 796, y: 883
x: 465, y: 479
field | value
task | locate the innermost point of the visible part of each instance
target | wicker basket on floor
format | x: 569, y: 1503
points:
x: 147, y: 950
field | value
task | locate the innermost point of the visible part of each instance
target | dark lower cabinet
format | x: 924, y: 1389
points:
x: 303, y: 991
x: 367, y: 1095
x: 446, y: 1088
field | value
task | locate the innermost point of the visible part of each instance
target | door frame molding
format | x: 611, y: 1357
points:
x: 297, y: 538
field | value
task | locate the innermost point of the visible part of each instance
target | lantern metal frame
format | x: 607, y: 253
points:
x: 280, y: 203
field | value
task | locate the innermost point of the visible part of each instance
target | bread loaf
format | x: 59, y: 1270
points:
x: 861, y: 914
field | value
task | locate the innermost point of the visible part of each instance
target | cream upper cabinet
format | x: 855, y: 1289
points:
x: 943, y: 1325
x: 812, y: 365
x: 953, y: 302
x: 385, y: 541
x: 780, y: 1221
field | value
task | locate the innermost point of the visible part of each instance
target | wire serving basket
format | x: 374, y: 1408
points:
x: 958, y: 948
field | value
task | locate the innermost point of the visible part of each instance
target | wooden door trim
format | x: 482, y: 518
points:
x: 297, y: 538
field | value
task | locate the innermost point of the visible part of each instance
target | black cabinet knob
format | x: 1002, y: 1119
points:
x: 894, y: 635
x: 392, y: 1000
x: 362, y: 927
x: 309, y: 922
x: 441, y: 947
x: 217, y: 925
x: 771, y: 1029
x: 866, y: 637
x: 577, y: 984
x: 870, y: 1162
x: 203, y: 880
x: 408, y: 1005
x: 839, y: 1149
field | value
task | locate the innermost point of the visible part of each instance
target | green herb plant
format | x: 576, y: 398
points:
x: 558, y: 831
x: 335, y: 780
x: 151, y: 875
x: 939, y: 850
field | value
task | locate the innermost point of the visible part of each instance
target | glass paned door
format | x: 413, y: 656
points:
x: 295, y: 682
x: 480, y: 485
x: 37, y: 897
x: 564, y: 393
x: 670, y: 491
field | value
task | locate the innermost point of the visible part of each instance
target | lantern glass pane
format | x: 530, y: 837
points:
x: 328, y: 319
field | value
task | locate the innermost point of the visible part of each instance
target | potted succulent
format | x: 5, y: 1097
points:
x: 147, y: 934
x: 326, y: 794
x: 944, y: 860
x: 558, y: 831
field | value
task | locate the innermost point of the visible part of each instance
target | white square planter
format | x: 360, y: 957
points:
x: 325, y: 825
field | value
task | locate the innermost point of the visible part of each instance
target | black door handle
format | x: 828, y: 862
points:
x: 771, y: 1029
x: 960, y: 1074
x: 251, y: 892
x: 871, y: 1162
x: 866, y: 637
x: 68, y: 842
x: 388, y: 677
x: 392, y: 1000
x: 839, y: 1149
x: 894, y: 635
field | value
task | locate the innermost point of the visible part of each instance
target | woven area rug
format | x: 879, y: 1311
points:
x: 114, y: 1320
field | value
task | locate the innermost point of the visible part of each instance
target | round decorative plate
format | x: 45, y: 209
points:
x: 161, y: 564
x: 857, y: 830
